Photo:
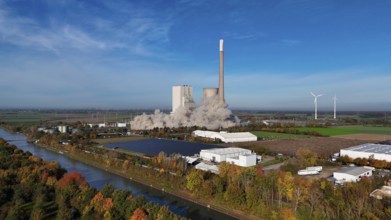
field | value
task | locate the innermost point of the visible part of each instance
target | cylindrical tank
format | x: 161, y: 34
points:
x: 210, y: 92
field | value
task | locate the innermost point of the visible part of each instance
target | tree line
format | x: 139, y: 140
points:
x: 31, y: 188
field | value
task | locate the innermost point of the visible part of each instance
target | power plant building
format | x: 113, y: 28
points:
x: 182, y: 97
x: 226, y: 137
x: 377, y: 151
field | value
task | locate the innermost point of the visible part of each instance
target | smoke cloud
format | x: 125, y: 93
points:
x: 211, y: 114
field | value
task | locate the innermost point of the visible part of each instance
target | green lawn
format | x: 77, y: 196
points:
x: 274, y: 135
x: 343, y: 130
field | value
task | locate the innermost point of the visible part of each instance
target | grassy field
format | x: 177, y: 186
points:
x: 345, y: 130
x: 274, y: 135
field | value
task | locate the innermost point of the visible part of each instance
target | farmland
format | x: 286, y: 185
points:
x: 320, y: 145
x: 274, y: 135
x: 347, y: 130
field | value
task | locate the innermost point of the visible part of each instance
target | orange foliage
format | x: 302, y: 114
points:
x: 101, y: 204
x: 72, y: 179
x: 287, y: 214
x: 139, y: 214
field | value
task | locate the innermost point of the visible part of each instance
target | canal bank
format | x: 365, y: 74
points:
x: 180, y: 203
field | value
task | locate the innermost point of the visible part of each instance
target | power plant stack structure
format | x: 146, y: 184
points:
x: 212, y: 92
x: 182, y: 96
x: 221, y: 73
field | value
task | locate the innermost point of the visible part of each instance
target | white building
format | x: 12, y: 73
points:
x: 310, y: 171
x: 226, y: 137
x: 207, y: 167
x: 377, y: 151
x: 121, y: 125
x: 182, y: 96
x: 352, y: 174
x: 238, y: 156
x: 62, y: 128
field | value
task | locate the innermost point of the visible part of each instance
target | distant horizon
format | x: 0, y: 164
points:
x: 169, y: 110
x: 128, y: 54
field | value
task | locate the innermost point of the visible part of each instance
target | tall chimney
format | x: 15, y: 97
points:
x: 221, y: 70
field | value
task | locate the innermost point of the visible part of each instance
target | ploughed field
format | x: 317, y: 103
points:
x: 320, y: 145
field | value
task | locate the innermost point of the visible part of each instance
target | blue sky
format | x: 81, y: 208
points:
x: 128, y: 54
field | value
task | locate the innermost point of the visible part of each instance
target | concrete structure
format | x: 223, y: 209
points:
x: 352, y: 174
x: 62, y: 128
x: 182, y: 96
x: 238, y: 156
x: 221, y: 72
x: 377, y: 151
x: 121, y: 125
x: 212, y: 92
x: 226, y: 137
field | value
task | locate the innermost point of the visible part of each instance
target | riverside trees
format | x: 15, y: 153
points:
x: 31, y: 188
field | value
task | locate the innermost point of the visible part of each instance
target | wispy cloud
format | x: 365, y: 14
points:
x: 242, y: 36
x: 137, y: 31
x: 290, y: 42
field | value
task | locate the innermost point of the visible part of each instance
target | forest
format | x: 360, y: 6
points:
x: 31, y: 188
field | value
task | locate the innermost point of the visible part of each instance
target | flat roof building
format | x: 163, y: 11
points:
x: 352, y: 174
x: 226, y: 137
x: 377, y: 151
x: 238, y: 156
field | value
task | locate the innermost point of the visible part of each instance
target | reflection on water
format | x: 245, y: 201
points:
x: 155, y: 146
x: 98, y: 178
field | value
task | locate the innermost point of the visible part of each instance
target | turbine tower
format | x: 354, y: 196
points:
x: 316, y: 104
x: 335, y: 106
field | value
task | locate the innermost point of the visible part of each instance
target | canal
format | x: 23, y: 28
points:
x: 98, y: 178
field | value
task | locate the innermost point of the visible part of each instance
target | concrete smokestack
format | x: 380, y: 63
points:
x: 221, y: 71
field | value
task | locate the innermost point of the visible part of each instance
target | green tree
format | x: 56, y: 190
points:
x: 194, y: 180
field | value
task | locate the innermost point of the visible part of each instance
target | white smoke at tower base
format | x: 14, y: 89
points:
x: 212, y: 114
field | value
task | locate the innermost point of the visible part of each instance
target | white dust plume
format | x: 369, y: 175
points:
x: 211, y: 114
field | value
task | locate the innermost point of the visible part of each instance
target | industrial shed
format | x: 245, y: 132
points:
x: 226, y: 137
x: 377, y: 151
x: 352, y: 174
x: 235, y: 155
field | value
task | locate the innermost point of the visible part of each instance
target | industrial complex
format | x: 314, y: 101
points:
x: 375, y: 151
x: 182, y: 96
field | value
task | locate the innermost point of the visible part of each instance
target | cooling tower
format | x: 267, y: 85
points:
x: 221, y: 71
x: 210, y: 92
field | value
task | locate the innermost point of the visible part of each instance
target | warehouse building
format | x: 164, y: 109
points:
x: 352, y: 174
x: 238, y: 156
x: 377, y: 151
x: 225, y: 136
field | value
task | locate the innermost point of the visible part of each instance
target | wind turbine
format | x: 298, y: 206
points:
x: 316, y: 104
x: 335, y: 106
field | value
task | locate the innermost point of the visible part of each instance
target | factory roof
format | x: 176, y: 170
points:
x: 371, y: 148
x: 354, y: 171
x: 207, y: 167
x: 237, y: 135
x: 228, y: 150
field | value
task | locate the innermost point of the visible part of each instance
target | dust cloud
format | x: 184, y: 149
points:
x: 210, y: 114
